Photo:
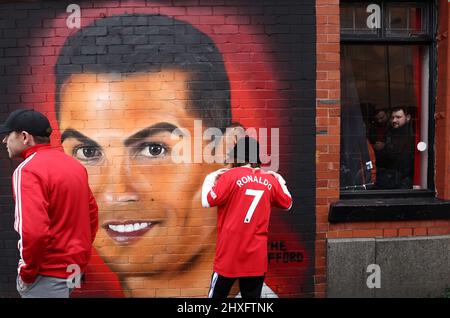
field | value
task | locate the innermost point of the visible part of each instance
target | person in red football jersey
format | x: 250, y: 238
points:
x: 244, y: 196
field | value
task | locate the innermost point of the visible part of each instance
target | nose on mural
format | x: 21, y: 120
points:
x: 121, y: 191
x: 120, y: 186
x: 121, y: 197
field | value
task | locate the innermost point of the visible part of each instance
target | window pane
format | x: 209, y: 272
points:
x: 384, y: 90
x: 354, y: 19
x: 361, y: 19
x: 398, y: 18
x: 347, y: 18
x: 416, y: 20
x: 402, y: 20
x: 385, y: 20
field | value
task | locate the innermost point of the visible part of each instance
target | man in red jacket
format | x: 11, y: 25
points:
x: 56, y: 214
x: 244, y: 196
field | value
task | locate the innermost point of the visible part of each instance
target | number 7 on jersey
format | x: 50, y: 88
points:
x: 257, y: 194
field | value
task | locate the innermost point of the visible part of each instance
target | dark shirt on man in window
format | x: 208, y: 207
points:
x: 395, y: 162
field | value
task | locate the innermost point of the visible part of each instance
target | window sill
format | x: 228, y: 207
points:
x: 387, y: 194
x: 398, y: 209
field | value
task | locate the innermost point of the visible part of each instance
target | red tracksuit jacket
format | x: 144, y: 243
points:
x: 56, y: 214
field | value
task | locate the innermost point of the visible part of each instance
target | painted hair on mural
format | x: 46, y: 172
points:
x: 137, y: 43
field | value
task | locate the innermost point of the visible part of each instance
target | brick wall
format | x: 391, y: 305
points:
x: 389, y: 229
x: 327, y: 155
x: 269, y: 53
x: 327, y: 128
x: 442, y: 106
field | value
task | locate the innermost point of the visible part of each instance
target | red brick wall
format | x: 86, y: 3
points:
x: 327, y: 155
x: 327, y: 128
x: 269, y: 54
x: 389, y: 229
x: 442, y: 115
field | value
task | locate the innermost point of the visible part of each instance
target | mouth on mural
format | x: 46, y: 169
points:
x: 128, y: 232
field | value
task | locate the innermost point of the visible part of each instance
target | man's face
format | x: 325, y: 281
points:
x: 150, y: 213
x: 381, y: 118
x: 14, y: 144
x: 399, y: 119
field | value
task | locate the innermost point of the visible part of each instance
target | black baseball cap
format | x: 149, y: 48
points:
x: 29, y: 120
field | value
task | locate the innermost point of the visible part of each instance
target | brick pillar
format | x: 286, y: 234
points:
x: 442, y: 113
x: 327, y: 128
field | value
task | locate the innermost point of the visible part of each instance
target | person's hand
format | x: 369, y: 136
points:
x: 212, y: 178
x: 21, y: 285
x: 219, y: 173
x: 277, y: 176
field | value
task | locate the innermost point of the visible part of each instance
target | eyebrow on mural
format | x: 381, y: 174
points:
x: 73, y: 133
x: 142, y: 134
x: 149, y: 132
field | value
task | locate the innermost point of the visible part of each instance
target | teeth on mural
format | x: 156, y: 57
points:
x: 128, y: 228
x: 144, y: 225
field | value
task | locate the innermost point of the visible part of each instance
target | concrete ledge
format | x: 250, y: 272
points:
x: 410, y: 267
x: 399, y: 209
x: 346, y: 269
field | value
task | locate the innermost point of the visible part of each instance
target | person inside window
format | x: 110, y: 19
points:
x: 395, y: 157
x: 378, y: 129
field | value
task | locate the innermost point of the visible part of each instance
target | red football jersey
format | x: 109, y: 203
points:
x: 244, y: 197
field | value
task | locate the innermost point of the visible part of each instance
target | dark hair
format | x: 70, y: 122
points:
x: 379, y: 110
x: 399, y: 108
x: 132, y: 43
x: 240, y: 164
x: 236, y: 124
x: 41, y: 140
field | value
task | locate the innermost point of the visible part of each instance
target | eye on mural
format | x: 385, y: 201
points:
x: 116, y: 79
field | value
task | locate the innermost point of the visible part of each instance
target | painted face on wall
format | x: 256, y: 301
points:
x: 119, y: 127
